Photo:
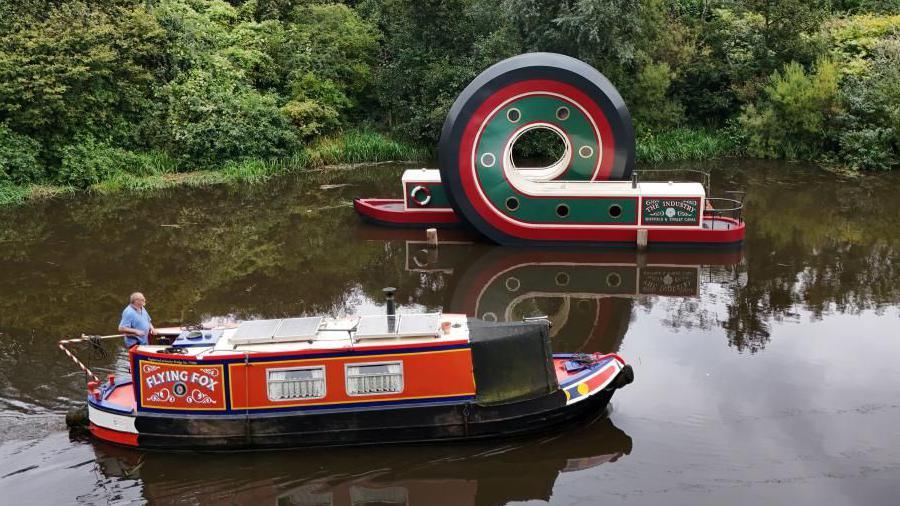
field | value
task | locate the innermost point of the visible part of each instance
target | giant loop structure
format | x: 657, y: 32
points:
x: 590, y: 195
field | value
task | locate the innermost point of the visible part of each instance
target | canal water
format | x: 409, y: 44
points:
x: 767, y: 375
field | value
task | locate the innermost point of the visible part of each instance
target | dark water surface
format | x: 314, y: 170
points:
x: 765, y: 376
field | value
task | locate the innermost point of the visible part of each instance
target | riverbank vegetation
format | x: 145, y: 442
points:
x: 115, y: 94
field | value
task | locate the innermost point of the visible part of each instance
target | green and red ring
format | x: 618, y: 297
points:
x: 537, y: 90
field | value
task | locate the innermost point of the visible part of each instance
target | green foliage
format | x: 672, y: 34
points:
x: 686, y: 144
x: 19, y: 163
x: 652, y: 107
x: 115, y: 94
x: 869, y: 125
x: 361, y: 146
x: 79, y: 70
x: 213, y: 117
x: 88, y: 161
x: 854, y: 41
x: 792, y: 120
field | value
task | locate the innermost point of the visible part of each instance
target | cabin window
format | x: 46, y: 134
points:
x: 300, y: 383
x: 373, y: 379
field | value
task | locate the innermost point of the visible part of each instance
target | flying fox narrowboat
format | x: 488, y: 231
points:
x: 366, y: 380
x: 590, y: 195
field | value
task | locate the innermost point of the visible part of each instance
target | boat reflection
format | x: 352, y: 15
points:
x: 587, y: 295
x: 483, y: 474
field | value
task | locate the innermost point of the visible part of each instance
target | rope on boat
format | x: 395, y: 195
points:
x: 593, y: 358
x: 85, y: 338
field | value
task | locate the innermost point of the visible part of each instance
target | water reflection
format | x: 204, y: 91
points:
x: 822, y: 252
x: 587, y: 295
x: 458, y: 475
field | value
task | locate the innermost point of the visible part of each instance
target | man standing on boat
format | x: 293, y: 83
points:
x: 136, y: 323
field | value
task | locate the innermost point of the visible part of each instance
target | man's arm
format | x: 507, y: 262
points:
x: 125, y: 326
x: 129, y: 330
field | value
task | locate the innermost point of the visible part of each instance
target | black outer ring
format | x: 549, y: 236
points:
x: 521, y: 68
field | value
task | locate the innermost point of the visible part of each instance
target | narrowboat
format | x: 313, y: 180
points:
x: 590, y: 195
x: 315, y: 381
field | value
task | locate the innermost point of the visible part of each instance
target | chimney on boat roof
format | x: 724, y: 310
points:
x: 389, y: 298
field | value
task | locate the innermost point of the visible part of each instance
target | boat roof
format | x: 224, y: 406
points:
x: 305, y: 334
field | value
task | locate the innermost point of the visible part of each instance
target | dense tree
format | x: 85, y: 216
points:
x: 92, y: 89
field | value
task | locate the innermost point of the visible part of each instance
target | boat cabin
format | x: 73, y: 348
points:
x: 306, y: 362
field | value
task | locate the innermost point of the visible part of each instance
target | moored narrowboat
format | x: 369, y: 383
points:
x: 314, y: 381
x: 589, y: 196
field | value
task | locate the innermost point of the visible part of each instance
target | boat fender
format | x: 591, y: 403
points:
x: 625, y: 377
x: 77, y: 417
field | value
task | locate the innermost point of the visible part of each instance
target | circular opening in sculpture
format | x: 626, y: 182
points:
x: 562, y: 113
x: 539, y: 148
x: 512, y: 203
x: 615, y: 211
x: 562, y: 211
x: 513, y: 115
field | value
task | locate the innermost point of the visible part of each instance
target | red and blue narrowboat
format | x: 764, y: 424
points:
x: 314, y: 381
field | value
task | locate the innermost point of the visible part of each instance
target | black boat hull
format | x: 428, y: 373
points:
x: 406, y: 424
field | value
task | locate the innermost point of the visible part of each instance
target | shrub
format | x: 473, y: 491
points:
x: 213, y: 117
x: 19, y: 161
x: 88, y: 161
x: 792, y: 118
x: 869, y: 123
x: 79, y: 68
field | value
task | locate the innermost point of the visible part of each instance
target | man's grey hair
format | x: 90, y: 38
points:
x: 135, y: 295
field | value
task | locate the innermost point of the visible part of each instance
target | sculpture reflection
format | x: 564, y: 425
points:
x: 587, y: 295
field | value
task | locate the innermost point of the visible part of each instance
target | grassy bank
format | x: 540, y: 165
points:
x: 348, y: 148
x: 684, y: 144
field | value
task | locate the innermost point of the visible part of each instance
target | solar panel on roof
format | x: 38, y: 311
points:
x: 297, y: 329
x: 376, y: 326
x: 419, y: 324
x: 405, y: 325
x: 255, y: 331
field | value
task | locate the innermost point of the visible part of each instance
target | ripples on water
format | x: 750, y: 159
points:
x: 763, y: 376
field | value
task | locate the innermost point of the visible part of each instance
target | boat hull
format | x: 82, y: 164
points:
x: 416, y: 423
x: 716, y: 232
x: 392, y: 213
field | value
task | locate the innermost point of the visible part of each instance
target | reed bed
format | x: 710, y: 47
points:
x: 684, y: 144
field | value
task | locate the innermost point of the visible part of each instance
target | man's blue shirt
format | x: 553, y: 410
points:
x: 136, y: 320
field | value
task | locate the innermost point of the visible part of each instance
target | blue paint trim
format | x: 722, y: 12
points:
x: 256, y: 360
x: 347, y: 353
x: 332, y: 407
x: 583, y: 374
x: 102, y: 405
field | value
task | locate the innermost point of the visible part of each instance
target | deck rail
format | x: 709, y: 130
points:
x: 724, y: 207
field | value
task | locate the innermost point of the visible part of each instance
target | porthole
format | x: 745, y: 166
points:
x: 562, y: 279
x: 562, y: 211
x: 488, y: 160
x: 513, y: 115
x: 562, y: 113
x: 513, y: 284
x: 512, y: 203
x: 585, y: 151
x: 489, y: 317
x: 615, y: 211
x: 613, y: 279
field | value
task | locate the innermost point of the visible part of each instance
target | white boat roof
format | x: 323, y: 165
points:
x: 330, y: 334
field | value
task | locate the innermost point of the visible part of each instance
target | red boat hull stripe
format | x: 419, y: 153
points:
x: 114, y: 436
